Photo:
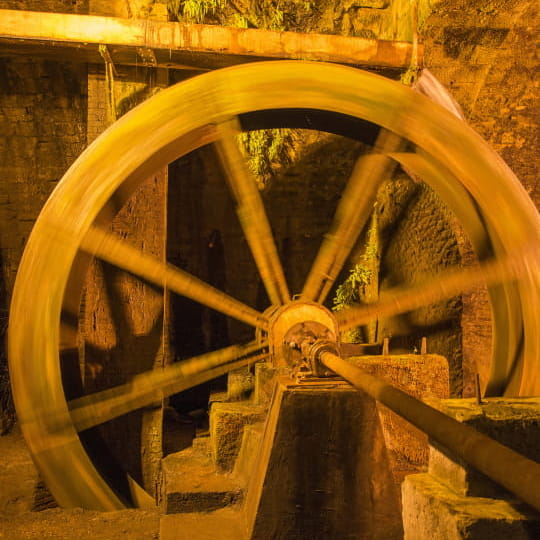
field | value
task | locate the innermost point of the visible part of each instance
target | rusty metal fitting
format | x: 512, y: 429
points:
x: 312, y: 351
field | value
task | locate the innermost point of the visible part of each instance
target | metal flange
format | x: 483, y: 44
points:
x: 293, y: 325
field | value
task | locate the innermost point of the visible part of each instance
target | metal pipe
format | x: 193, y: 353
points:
x: 511, y: 470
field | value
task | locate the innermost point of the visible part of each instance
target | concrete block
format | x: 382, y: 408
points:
x: 433, y: 511
x: 424, y: 376
x: 322, y: 470
x: 201, y: 445
x: 191, y: 484
x: 513, y: 422
x: 227, y: 421
x: 265, y: 373
x: 240, y: 384
x: 249, y: 449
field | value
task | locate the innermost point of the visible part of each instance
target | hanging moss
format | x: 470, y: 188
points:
x: 348, y: 293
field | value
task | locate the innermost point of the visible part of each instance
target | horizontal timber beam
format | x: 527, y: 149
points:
x: 184, y: 46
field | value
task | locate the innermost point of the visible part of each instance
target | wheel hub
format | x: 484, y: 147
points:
x: 294, y: 325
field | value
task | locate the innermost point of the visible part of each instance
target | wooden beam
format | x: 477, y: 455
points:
x: 188, y: 46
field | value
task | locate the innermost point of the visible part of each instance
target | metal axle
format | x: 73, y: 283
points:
x: 516, y: 473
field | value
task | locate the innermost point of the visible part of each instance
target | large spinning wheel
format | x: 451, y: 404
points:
x: 495, y: 211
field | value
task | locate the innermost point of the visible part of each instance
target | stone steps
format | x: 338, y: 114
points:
x: 227, y: 423
x: 439, y: 509
x: 207, y: 476
x: 249, y: 449
x: 192, y: 484
x: 459, y: 502
x: 223, y: 524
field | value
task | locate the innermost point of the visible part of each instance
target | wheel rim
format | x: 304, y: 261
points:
x: 183, y: 118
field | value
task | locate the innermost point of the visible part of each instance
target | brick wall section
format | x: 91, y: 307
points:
x: 124, y: 318
x: 42, y: 131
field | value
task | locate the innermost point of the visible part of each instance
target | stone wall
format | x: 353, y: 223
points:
x: 42, y: 131
x: 419, y: 244
x: 482, y: 51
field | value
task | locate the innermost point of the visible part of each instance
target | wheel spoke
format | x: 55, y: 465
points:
x: 351, y: 216
x: 445, y: 285
x: 251, y: 213
x: 157, y: 384
x: 114, y: 250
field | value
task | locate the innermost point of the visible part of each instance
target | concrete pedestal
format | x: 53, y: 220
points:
x: 455, y: 502
x: 322, y: 471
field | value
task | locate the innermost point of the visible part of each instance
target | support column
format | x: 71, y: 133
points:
x: 323, y: 469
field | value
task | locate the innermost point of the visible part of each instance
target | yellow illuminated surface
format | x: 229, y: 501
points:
x: 453, y: 159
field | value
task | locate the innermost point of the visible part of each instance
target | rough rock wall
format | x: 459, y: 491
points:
x: 483, y: 51
x: 419, y: 245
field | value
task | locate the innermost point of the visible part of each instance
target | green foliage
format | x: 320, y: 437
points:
x: 270, y: 14
x: 265, y: 148
x: 276, y: 19
x: 239, y: 21
x: 410, y: 76
x: 195, y: 10
x: 348, y: 293
x: 362, y: 281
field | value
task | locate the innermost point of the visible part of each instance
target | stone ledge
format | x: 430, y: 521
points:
x: 184, y: 46
x: 424, y: 376
x: 432, y: 510
x: 512, y: 422
x: 227, y: 421
x: 191, y: 484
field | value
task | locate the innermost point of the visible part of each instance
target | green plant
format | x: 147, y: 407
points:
x: 239, y: 21
x: 276, y: 19
x: 264, y: 148
x: 348, y: 293
x: 195, y: 10
x: 362, y: 282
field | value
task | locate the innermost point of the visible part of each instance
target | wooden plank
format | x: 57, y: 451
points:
x: 187, y: 45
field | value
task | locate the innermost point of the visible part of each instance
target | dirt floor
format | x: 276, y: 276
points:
x: 28, y: 512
